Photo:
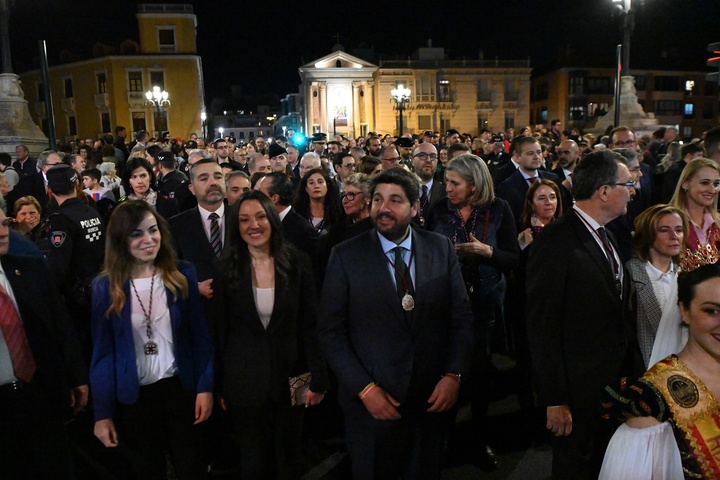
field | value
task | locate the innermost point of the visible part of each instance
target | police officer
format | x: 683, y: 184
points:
x: 75, y: 247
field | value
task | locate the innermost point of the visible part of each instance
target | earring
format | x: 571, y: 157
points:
x: 684, y: 190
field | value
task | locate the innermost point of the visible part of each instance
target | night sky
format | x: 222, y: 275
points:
x: 259, y: 45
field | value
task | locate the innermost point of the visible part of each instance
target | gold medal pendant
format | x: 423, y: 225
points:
x: 408, y: 302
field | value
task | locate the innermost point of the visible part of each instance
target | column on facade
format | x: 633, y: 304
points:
x: 370, y: 106
x: 322, y: 95
x: 354, y: 128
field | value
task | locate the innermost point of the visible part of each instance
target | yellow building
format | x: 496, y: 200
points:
x: 91, y: 97
x: 346, y: 95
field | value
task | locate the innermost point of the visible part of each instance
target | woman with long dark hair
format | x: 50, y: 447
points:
x: 152, y: 360
x: 316, y: 199
x: 270, y: 366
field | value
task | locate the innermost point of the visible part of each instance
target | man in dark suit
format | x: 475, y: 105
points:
x: 39, y: 361
x: 395, y: 326
x: 424, y: 160
x: 34, y: 185
x: 199, y: 234
x: 24, y: 165
x: 579, y: 338
x: 528, y: 155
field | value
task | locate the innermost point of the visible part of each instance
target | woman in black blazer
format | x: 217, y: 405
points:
x: 268, y: 339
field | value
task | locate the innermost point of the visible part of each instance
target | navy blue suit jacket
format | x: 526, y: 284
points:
x: 514, y: 190
x: 113, y: 372
x: 366, y: 335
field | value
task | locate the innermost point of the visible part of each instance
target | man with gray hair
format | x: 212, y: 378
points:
x: 579, y: 338
x: 35, y: 185
x: 24, y: 165
x: 309, y: 161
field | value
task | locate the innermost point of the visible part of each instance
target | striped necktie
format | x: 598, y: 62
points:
x: 215, y: 240
x: 17, y: 344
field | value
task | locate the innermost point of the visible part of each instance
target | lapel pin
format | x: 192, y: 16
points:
x: 17, y: 272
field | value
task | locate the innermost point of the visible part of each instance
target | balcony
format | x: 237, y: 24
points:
x: 483, y: 105
x: 136, y: 99
x: 102, y: 100
x: 510, y: 104
x: 68, y: 104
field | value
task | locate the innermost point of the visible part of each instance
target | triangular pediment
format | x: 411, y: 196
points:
x: 338, y: 59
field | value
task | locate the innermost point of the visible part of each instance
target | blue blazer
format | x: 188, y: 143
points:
x: 113, y: 371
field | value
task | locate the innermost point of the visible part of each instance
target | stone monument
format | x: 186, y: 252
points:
x: 16, y: 124
x: 631, y: 112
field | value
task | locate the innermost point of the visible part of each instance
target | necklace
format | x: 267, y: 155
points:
x: 150, y: 346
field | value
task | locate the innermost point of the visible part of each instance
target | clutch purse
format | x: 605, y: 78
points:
x: 299, y: 386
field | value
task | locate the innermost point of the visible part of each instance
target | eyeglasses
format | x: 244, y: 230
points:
x: 349, y: 195
x: 349, y: 165
x: 426, y: 156
x: 394, y: 159
x: 625, y: 143
x: 625, y: 184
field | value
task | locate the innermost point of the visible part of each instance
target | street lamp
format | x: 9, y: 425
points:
x: 221, y: 130
x: 203, y: 122
x: 628, y: 26
x: 158, y: 99
x: 401, y: 95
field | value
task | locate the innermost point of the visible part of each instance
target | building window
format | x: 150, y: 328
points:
x: 668, y: 107
x: 105, y: 122
x: 687, y: 131
x: 483, y: 90
x: 138, y: 121
x: 424, y: 90
x: 424, y: 122
x: 576, y: 84
x: 68, y: 87
x: 511, y: 90
x: 444, y: 124
x: 157, y: 79
x: 135, y: 82
x: 444, y: 92
x: 597, y: 109
x: 600, y: 85
x: 72, y: 126
x: 241, y: 136
x: 689, y: 110
x: 539, y: 92
x: 667, y: 83
x: 544, y: 115
x: 640, y: 81
x: 101, y: 82
x: 482, y: 121
x: 509, y: 120
x: 577, y: 112
x: 708, y: 110
x: 710, y: 88
x: 689, y: 86
x: 166, y: 39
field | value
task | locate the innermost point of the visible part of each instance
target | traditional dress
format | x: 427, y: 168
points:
x: 686, y: 444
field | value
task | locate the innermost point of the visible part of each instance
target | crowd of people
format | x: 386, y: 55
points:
x: 259, y: 295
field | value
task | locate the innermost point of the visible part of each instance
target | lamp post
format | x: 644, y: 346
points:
x: 401, y: 95
x: 158, y: 99
x: 628, y: 26
x: 203, y: 122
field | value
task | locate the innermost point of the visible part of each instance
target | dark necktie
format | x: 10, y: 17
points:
x: 403, y: 280
x: 532, y: 180
x: 17, y: 344
x: 424, y: 196
x: 215, y: 234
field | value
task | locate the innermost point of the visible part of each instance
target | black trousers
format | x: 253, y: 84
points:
x: 33, y: 444
x: 391, y: 449
x: 161, y: 420
x: 270, y: 440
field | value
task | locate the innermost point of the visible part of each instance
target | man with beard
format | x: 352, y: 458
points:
x: 405, y: 147
x: 222, y: 150
x: 452, y: 137
x: 424, y: 161
x: 398, y: 364
x: 568, y: 154
x: 373, y: 146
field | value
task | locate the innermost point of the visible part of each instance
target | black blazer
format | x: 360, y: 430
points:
x: 27, y: 168
x: 366, y: 335
x: 29, y: 185
x: 192, y: 244
x: 502, y: 173
x: 254, y: 363
x: 52, y: 340
x: 579, y: 334
x: 514, y: 190
x: 437, y: 193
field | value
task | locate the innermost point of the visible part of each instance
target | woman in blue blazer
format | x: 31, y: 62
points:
x: 152, y: 361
